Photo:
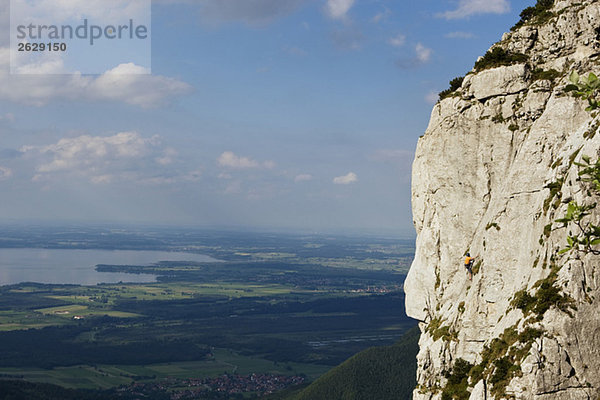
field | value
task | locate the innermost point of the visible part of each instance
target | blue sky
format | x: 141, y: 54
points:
x: 259, y: 113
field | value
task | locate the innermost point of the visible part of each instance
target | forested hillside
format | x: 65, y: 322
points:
x: 378, y: 373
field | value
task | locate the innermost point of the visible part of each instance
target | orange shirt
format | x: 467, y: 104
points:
x: 468, y: 260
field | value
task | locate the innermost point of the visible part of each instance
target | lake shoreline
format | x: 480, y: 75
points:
x: 79, y: 266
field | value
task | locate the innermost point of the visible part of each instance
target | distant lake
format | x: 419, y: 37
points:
x: 64, y: 266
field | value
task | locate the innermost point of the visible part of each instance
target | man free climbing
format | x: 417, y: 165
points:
x: 469, y: 265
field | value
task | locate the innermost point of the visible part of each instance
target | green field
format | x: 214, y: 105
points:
x: 17, y: 319
x: 107, y: 376
x: 100, y: 300
x: 75, y: 311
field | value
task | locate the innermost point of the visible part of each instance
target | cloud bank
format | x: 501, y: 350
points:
x: 126, y: 156
x: 126, y: 83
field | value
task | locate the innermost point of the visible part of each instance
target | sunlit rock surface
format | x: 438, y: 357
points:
x: 482, y: 180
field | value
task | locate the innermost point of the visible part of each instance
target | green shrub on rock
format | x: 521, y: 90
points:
x: 455, y: 84
x: 498, y: 57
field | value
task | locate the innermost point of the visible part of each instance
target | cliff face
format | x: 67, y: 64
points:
x: 495, y: 169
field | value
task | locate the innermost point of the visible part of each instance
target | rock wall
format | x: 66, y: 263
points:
x: 494, y: 170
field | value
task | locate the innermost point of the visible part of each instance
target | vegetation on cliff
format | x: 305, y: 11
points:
x: 537, y: 15
x: 454, y: 86
x: 498, y: 57
x: 584, y: 235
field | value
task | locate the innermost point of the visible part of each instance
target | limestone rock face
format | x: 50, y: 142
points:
x: 497, y: 82
x: 495, y: 169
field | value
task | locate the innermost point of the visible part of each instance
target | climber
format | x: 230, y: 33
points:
x: 469, y: 265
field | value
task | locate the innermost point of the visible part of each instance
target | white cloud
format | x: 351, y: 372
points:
x: 122, y: 83
x: 124, y: 157
x: 398, y: 40
x: 467, y: 8
x: 230, y: 160
x: 460, y: 35
x: 347, y: 179
x: 86, y: 151
x: 127, y: 83
x: 338, y: 9
x: 422, y: 56
x: 168, y: 156
x: 423, y: 53
x: 303, y: 178
x: 5, y: 173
